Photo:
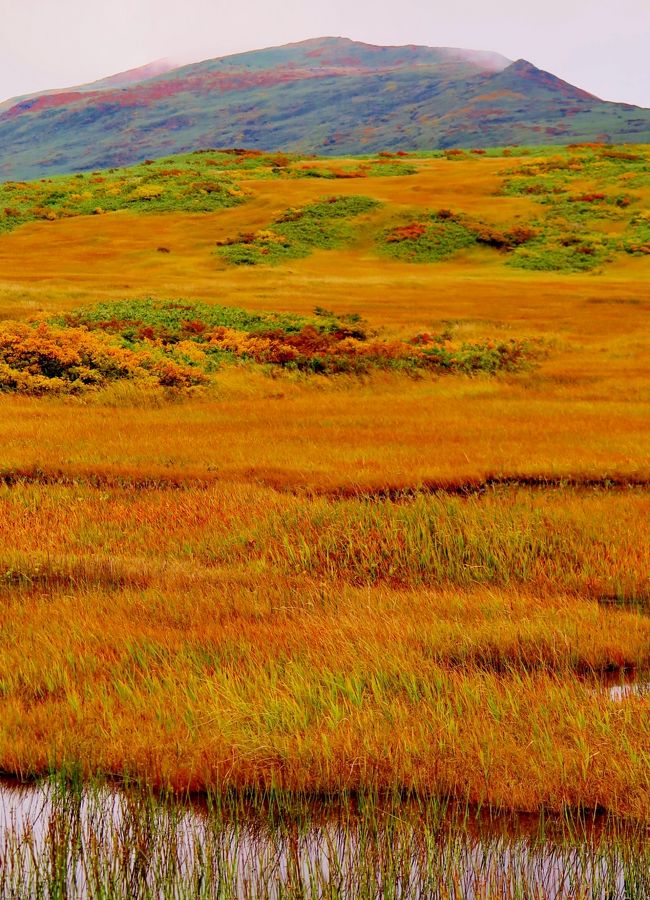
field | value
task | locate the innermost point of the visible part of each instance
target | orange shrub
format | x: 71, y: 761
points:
x: 46, y: 360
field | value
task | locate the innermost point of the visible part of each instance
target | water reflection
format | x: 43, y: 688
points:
x: 621, y: 685
x: 68, y: 842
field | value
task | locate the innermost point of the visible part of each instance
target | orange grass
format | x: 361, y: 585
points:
x: 594, y: 544
x: 390, y: 432
x: 258, y: 682
x: 196, y: 605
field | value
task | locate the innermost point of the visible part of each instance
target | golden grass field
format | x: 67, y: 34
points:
x: 272, y: 581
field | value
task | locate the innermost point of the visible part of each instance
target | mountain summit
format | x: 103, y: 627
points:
x: 327, y: 95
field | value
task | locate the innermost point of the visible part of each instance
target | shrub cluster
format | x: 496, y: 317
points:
x: 187, y: 183
x: 442, y: 234
x: 383, y: 166
x: 181, y: 344
x: 570, y: 236
x: 202, y: 337
x: 297, y: 232
x: 173, y: 321
x: 46, y: 359
x: 636, y: 239
x: 438, y: 236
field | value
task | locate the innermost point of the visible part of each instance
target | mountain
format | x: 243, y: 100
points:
x: 122, y: 79
x: 326, y: 96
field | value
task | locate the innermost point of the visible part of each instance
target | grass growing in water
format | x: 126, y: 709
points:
x: 66, y: 841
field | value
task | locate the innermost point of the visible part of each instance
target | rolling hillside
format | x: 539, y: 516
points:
x: 329, y: 96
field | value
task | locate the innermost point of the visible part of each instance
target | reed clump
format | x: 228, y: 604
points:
x: 67, y: 840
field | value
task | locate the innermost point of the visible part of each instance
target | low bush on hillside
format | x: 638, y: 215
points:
x: 201, y: 338
x: 173, y: 321
x: 178, y: 347
x: 536, y: 186
x: 431, y: 238
x: 312, y: 350
x: 46, y: 359
x: 636, y: 239
x: 297, y: 232
x: 179, y: 184
x: 588, y: 211
x: 379, y: 167
x: 440, y: 235
x: 564, y: 252
x: 202, y: 181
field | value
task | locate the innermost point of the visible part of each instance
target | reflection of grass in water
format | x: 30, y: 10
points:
x: 69, y: 841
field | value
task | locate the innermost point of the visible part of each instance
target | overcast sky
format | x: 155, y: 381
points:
x: 599, y: 45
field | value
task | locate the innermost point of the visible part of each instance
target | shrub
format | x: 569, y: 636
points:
x: 147, y: 192
x: 179, y: 344
x: 562, y: 253
x: 48, y: 360
x: 437, y: 239
x: 297, y: 232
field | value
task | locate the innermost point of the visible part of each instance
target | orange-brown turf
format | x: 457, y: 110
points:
x: 231, y: 589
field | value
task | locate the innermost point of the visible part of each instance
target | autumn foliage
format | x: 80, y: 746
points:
x: 50, y: 360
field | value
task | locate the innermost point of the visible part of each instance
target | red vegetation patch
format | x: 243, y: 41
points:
x: 406, y: 233
x: 50, y: 101
x: 589, y: 198
x: 621, y: 154
x: 503, y: 240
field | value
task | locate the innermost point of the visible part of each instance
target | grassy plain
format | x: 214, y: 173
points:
x: 389, y: 580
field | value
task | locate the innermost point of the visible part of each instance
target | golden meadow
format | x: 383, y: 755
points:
x: 386, y: 532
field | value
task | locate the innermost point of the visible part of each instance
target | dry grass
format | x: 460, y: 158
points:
x: 265, y: 681
x: 594, y: 544
x: 187, y: 595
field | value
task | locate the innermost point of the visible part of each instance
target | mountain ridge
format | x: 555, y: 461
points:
x: 128, y: 76
x: 326, y: 95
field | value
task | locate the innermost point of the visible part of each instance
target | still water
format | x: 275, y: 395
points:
x: 72, y: 842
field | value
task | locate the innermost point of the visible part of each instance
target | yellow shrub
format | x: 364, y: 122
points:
x: 147, y: 192
x: 46, y: 359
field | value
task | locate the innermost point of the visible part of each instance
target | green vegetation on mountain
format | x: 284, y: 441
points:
x: 328, y: 96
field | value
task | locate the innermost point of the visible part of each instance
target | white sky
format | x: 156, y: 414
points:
x: 600, y: 45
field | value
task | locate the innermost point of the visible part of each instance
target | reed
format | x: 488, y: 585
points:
x: 69, y: 841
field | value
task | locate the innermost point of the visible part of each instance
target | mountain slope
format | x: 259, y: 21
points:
x: 329, y: 95
x: 122, y: 79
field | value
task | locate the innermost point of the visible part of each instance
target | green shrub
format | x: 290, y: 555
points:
x: 433, y: 238
x: 298, y: 232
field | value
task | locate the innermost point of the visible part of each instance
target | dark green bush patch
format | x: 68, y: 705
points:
x: 179, y: 184
x: 576, y: 194
x: 298, y: 232
x: 430, y: 238
x: 564, y: 252
x: 173, y: 321
x: 378, y: 167
x: 636, y: 238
